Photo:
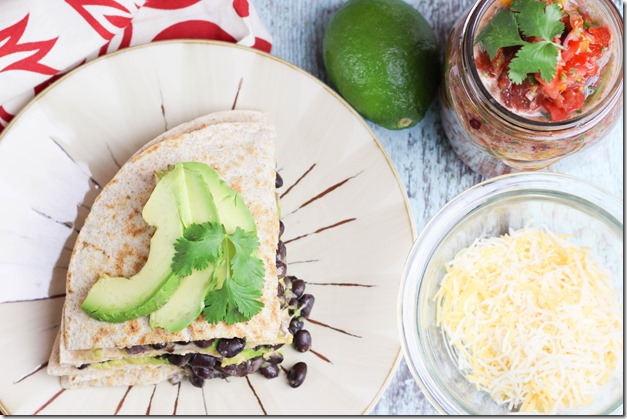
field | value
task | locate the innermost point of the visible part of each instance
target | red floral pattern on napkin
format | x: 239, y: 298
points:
x: 42, y: 40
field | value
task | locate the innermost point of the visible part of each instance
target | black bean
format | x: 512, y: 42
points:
x: 179, y: 360
x: 203, y: 343
x: 196, y: 381
x: 305, y: 304
x: 269, y: 371
x: 277, y: 346
x: 181, y: 342
x: 228, y: 348
x: 203, y: 360
x: 281, y: 252
x: 229, y: 370
x: 281, y: 269
x: 170, y: 348
x: 281, y: 228
x: 287, y: 281
x: 280, y: 292
x: 278, y: 181
x: 83, y: 366
x: 298, y: 288
x: 250, y: 366
x: 297, y: 374
x: 295, y: 325
x: 158, y: 346
x: 204, y: 372
x: 275, y: 358
x: 302, y: 340
x: 137, y: 349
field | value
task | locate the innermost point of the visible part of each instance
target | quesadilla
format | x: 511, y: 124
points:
x: 115, y: 333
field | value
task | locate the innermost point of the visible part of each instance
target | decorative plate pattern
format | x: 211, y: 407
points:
x: 348, y: 224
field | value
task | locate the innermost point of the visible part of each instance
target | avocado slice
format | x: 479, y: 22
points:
x: 232, y: 210
x: 188, y: 301
x: 118, y: 299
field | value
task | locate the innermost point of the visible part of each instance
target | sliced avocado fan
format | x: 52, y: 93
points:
x: 187, y: 302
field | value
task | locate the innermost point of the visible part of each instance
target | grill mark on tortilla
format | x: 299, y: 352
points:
x: 135, y: 230
x: 333, y: 328
x: 117, y: 410
x: 176, y: 402
x: 322, y: 357
x: 324, y: 193
x: 115, y: 161
x: 51, y: 297
x: 36, y: 370
x: 256, y: 396
x: 127, y: 251
x: 320, y: 230
x: 91, y: 179
x: 85, y: 244
x: 239, y: 87
x: 298, y: 180
x: 50, y: 400
x: 67, y: 224
x: 150, y: 401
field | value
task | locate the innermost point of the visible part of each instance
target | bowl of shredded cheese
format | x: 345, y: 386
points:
x: 512, y: 299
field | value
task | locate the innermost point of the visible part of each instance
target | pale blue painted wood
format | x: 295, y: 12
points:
x: 430, y: 171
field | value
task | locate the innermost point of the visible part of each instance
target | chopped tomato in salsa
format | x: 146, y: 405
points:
x: 584, y: 45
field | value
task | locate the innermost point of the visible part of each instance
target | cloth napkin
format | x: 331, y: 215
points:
x: 40, y: 40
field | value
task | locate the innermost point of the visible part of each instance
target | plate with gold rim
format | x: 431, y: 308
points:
x: 348, y: 224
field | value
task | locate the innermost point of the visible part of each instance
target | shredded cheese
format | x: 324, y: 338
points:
x: 533, y: 320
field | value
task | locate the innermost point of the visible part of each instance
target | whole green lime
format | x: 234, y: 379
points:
x: 382, y: 57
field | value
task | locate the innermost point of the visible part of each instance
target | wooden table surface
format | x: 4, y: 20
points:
x: 430, y: 170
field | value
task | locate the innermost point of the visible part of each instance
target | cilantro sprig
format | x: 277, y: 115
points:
x: 533, y: 19
x: 238, y: 275
x: 200, y: 245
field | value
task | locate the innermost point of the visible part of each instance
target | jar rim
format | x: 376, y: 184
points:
x: 611, y: 96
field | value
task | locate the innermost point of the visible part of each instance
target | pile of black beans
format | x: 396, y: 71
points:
x: 200, y: 367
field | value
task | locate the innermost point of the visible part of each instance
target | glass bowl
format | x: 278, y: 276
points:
x: 562, y: 204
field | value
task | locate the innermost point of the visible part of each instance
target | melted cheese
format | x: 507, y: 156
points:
x: 533, y: 320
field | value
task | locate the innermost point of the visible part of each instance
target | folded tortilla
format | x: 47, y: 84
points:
x: 115, y: 240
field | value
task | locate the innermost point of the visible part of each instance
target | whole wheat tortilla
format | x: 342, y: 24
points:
x: 115, y: 239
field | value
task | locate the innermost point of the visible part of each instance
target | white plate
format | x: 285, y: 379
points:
x: 343, y: 205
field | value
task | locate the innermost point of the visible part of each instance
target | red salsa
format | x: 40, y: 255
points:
x: 582, y: 57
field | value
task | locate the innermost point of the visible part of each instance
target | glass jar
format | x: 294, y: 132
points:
x: 492, y: 139
x: 588, y: 215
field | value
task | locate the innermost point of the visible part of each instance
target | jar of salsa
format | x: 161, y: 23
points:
x: 528, y: 82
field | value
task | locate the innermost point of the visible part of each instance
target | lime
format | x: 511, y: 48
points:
x: 382, y: 57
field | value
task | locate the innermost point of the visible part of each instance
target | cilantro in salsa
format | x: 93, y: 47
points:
x: 542, y: 56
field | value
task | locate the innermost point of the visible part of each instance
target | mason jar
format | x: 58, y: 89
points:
x: 484, y: 125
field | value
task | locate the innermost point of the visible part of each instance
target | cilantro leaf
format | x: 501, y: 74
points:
x: 241, y: 277
x: 501, y: 31
x: 245, y: 242
x: 246, y: 268
x: 246, y: 299
x: 216, y: 305
x: 536, y: 18
x: 233, y: 303
x: 200, y: 245
x: 532, y: 58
